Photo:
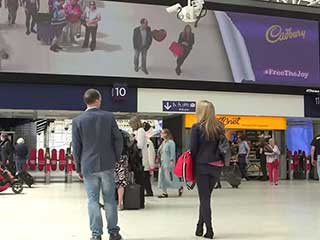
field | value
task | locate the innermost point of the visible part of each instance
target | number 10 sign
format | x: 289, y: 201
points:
x: 119, y: 92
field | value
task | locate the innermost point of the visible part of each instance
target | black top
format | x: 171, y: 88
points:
x: 316, y: 143
x: 6, y: 151
x: 203, y: 151
x: 21, y: 152
x: 189, y: 41
x: 137, y: 39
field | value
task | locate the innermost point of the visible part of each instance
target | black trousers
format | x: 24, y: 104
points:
x: 91, y: 31
x: 147, y: 183
x: 206, y: 181
x: 181, y: 59
x: 242, y: 158
x: 30, y: 17
x: 263, y: 163
x: 12, y: 14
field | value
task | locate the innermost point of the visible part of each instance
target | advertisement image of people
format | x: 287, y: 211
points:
x: 106, y: 38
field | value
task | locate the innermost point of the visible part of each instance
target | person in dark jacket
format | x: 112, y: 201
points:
x: 142, y: 40
x: 263, y: 159
x: 20, y: 155
x: 31, y: 9
x: 7, y: 153
x: 186, y: 40
x: 97, y: 145
x: 12, y: 6
x: 206, y: 161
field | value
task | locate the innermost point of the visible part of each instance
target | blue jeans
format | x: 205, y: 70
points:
x: 105, y: 182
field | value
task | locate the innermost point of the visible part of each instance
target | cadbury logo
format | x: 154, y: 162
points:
x: 229, y: 121
x: 277, y: 34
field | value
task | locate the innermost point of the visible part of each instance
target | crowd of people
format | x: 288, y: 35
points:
x: 61, y: 25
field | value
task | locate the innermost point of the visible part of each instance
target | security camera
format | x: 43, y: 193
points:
x: 174, y: 8
x: 193, y: 12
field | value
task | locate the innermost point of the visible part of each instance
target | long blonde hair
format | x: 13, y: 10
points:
x: 206, y: 117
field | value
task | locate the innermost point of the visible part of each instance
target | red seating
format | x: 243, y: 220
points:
x: 62, y: 160
x: 54, y: 159
x: 41, y: 160
x: 32, y: 161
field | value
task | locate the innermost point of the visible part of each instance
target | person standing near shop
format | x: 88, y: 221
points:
x: 167, y: 155
x: 243, y: 154
x: 206, y: 161
x: 12, y: 6
x: 186, y: 40
x: 31, y: 8
x: 142, y: 40
x: 141, y: 139
x: 73, y: 14
x: 97, y: 146
x: 92, y: 17
x: 272, y: 153
x: 263, y: 159
x: 315, y: 153
x: 20, y: 155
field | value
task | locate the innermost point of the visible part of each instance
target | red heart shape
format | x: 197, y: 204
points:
x: 159, y: 35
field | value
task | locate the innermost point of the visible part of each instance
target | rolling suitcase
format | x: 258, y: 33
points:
x: 232, y: 175
x: 132, y: 197
x: 26, y: 178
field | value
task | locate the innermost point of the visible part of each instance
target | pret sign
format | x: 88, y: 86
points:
x: 178, y: 106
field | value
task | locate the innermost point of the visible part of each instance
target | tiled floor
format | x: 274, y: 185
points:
x: 255, y: 211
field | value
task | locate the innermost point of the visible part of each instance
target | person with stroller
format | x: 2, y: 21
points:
x: 92, y: 17
x: 31, y: 8
x: 20, y: 155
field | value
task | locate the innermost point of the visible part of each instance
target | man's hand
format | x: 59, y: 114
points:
x: 80, y: 176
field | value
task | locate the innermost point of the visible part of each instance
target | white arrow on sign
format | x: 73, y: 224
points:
x: 167, y: 106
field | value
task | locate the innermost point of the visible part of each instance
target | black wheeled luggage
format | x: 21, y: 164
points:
x: 132, y: 197
x: 232, y: 175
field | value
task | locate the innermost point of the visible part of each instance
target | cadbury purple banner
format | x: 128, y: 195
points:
x: 271, y: 50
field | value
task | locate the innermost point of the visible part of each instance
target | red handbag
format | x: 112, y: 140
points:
x: 184, y: 169
x: 176, y: 49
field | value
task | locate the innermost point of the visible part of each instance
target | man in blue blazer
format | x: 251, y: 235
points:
x: 97, y: 145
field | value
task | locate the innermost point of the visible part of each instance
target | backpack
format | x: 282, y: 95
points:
x: 184, y: 169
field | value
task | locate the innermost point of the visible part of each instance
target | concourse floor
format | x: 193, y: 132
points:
x: 254, y: 211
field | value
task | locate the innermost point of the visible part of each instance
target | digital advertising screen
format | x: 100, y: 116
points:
x: 117, y: 39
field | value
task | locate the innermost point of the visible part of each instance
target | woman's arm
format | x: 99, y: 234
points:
x: 194, y: 141
x: 276, y: 150
x: 172, y: 148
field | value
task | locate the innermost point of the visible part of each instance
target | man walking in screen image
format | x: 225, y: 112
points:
x: 31, y: 8
x: 97, y: 146
x: 142, y: 40
x: 12, y: 6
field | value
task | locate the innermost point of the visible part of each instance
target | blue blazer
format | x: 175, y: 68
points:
x: 96, y: 140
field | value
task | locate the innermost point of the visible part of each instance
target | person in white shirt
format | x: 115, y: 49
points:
x: 92, y: 17
x: 272, y: 153
x: 142, y: 144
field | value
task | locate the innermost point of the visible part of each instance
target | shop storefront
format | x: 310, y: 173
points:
x: 254, y: 128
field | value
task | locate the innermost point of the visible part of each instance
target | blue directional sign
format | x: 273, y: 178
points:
x: 178, y: 106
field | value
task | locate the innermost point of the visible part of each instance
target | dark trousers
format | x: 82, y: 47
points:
x: 139, y: 179
x: 143, y: 53
x: 147, y: 183
x: 93, y: 32
x: 180, y: 60
x: 243, y: 165
x: 206, y: 182
x: 263, y: 163
x: 30, y: 17
x: 12, y: 14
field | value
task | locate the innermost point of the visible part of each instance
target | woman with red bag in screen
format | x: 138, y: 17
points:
x: 207, y: 161
x: 186, y: 40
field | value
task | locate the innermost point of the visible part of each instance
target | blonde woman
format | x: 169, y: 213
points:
x: 207, y: 161
x: 272, y: 153
x: 142, y: 143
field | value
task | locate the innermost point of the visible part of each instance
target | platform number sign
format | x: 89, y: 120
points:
x: 312, y: 103
x: 119, y: 92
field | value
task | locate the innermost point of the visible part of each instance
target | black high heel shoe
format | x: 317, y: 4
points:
x: 199, y: 230
x: 209, y: 234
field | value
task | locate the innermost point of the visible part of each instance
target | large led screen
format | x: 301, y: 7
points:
x: 225, y: 47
